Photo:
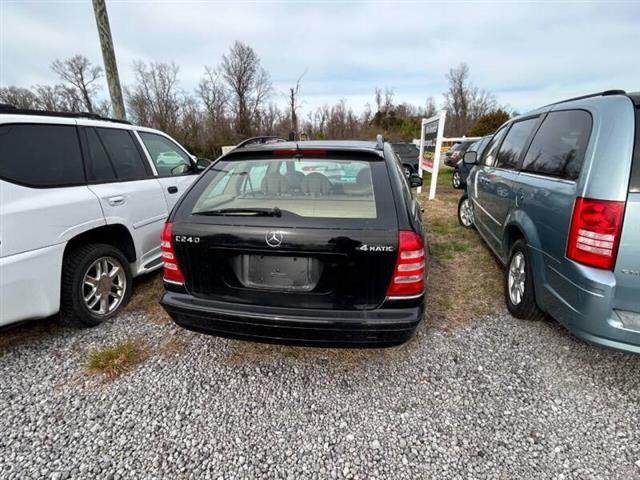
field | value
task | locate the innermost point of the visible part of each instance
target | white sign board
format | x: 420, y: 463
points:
x: 431, y: 133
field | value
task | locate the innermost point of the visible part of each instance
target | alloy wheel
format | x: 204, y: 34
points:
x: 104, y: 285
x: 457, y: 181
x: 466, y: 213
x: 517, y: 276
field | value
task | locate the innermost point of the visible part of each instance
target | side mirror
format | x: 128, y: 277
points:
x: 415, y: 180
x: 180, y: 169
x: 470, y: 158
x: 202, y: 164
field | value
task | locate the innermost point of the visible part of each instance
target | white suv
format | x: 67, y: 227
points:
x: 82, y: 205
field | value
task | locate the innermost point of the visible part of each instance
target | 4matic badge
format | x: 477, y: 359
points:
x: 375, y: 248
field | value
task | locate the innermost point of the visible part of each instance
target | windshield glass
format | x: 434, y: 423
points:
x: 306, y: 187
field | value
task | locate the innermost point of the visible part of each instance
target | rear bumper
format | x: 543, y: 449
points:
x: 334, y: 328
x: 583, y: 299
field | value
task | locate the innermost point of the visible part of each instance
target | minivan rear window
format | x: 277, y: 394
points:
x: 319, y: 191
x: 634, y: 185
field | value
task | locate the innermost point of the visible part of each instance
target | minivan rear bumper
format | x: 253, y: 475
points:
x: 382, y: 327
x: 584, y: 301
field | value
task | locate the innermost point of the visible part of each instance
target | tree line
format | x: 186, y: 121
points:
x: 235, y: 99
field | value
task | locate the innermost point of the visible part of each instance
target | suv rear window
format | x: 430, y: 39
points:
x: 315, y: 191
x: 560, y: 144
x: 41, y: 155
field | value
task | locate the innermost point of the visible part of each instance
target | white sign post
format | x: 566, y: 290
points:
x: 431, y: 133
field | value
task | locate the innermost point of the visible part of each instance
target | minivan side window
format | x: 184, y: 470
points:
x: 560, y: 144
x: 41, y: 155
x: 514, y: 143
x: 489, y: 154
x: 123, y: 153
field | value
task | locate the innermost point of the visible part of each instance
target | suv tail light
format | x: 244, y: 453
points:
x: 408, y: 276
x: 172, y: 272
x: 595, y: 232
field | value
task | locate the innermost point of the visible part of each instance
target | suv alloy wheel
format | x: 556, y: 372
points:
x: 96, y: 284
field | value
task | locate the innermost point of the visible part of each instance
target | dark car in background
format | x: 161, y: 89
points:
x: 408, y: 154
x: 462, y: 169
x: 456, y: 152
x: 268, y: 246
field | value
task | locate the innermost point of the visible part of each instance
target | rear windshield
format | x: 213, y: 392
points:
x: 306, y: 191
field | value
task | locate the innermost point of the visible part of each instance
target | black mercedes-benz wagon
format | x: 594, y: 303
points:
x: 316, y: 243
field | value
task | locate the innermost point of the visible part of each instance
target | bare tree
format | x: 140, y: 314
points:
x: 18, y: 97
x: 213, y: 94
x: 294, y: 103
x: 430, y: 109
x: 464, y: 102
x: 249, y: 83
x: 155, y: 99
x: 78, y: 72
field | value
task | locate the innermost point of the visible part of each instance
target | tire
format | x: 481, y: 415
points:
x: 521, y: 302
x: 456, y: 180
x: 465, y: 212
x: 88, y: 263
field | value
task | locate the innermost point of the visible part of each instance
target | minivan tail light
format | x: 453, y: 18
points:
x: 172, y: 272
x: 595, y: 232
x: 409, y: 273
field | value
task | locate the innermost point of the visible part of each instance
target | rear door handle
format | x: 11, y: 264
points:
x: 115, y: 201
x: 172, y: 189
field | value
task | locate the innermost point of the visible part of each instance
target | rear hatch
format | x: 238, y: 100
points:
x: 314, y: 230
x: 627, y: 270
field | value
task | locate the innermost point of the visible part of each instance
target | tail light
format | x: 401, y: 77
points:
x: 408, y: 276
x: 595, y: 232
x: 172, y: 272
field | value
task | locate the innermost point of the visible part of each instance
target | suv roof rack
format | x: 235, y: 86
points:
x: 12, y: 109
x: 605, y: 93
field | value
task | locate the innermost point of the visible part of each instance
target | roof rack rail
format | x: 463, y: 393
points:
x: 12, y: 109
x: 605, y: 93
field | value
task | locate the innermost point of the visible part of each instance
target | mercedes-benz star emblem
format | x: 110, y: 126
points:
x: 274, y: 238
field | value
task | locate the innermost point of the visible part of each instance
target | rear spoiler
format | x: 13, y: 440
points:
x: 310, y: 152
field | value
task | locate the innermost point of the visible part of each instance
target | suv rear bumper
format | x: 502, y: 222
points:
x: 335, y: 328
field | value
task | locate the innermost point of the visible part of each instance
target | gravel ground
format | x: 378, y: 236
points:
x: 498, y: 398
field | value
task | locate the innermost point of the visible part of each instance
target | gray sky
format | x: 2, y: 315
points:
x: 527, y: 54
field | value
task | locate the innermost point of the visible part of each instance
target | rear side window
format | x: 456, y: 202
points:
x: 514, y: 144
x: 124, y: 155
x: 41, y: 155
x: 99, y: 168
x: 560, y: 144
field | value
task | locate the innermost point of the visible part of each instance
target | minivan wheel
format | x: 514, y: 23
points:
x: 96, y: 284
x: 465, y: 212
x: 456, y: 180
x: 519, y: 290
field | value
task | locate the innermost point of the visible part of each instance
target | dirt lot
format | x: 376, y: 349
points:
x: 476, y: 394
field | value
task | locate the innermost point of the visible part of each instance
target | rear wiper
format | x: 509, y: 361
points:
x: 258, y: 212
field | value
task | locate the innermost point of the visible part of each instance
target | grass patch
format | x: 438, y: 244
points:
x: 116, y: 360
x: 465, y: 279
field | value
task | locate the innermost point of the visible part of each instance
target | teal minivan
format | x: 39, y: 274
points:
x: 556, y: 196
